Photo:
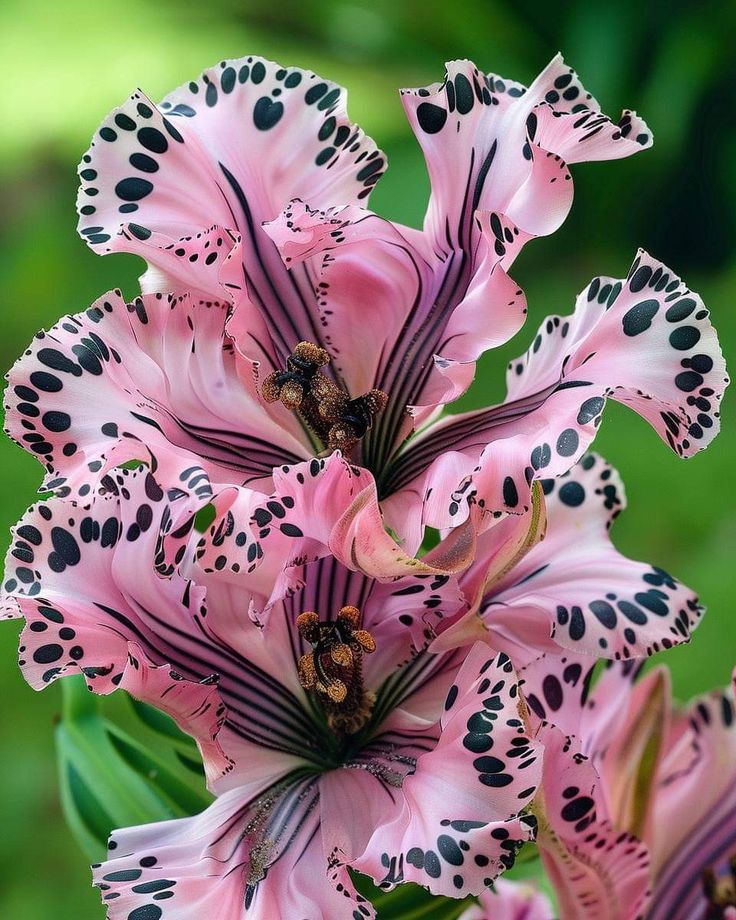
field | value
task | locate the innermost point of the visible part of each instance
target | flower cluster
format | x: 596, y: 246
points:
x: 361, y: 704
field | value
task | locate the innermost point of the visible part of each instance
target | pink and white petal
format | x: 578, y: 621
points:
x: 140, y: 163
x: 221, y: 863
x: 152, y: 381
x: 65, y: 574
x: 599, y: 603
x: 353, y: 803
x: 598, y: 872
x: 511, y: 901
x: 697, y: 776
x: 175, y: 870
x: 451, y: 835
x: 556, y: 689
x: 625, y: 741
x: 216, y: 136
x: 587, y: 135
x: 360, y: 541
x: 208, y: 265
x: 519, y: 633
x: 404, y: 615
x: 491, y: 311
x: 283, y: 532
x: 430, y: 326
x: 621, y: 726
x: 645, y: 341
x: 475, y: 132
x: 364, y: 261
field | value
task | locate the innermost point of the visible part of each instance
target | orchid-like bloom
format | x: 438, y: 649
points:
x: 366, y: 326
x: 655, y: 782
x: 559, y: 584
x: 330, y: 735
x: 510, y: 901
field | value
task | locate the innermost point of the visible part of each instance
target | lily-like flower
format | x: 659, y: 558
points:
x: 510, y: 901
x: 331, y: 736
x: 496, y: 154
x: 624, y: 765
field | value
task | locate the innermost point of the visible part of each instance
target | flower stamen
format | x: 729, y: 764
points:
x: 334, y: 667
x: 337, y: 420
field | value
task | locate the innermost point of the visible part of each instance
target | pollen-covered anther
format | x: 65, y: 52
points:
x: 338, y: 421
x: 354, y: 418
x: 301, y: 378
x: 333, y: 669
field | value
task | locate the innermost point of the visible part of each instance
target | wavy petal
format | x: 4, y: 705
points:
x: 645, y: 341
x: 695, y: 807
x: 451, y: 835
x: 598, y: 872
x: 206, y: 156
x: 68, y: 573
x: 488, y: 145
x: 425, y: 334
x: 590, y: 597
x: 152, y: 380
x: 255, y: 853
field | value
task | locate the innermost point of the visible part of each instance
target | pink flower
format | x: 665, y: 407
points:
x: 495, y: 153
x: 655, y: 782
x: 330, y: 739
x: 511, y: 901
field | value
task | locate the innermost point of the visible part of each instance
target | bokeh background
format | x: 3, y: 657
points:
x: 66, y: 64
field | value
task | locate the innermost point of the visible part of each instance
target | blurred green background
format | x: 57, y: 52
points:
x: 67, y: 64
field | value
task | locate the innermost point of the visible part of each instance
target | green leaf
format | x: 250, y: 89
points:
x: 160, y: 722
x: 109, y: 779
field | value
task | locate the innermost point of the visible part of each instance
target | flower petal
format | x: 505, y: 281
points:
x: 281, y: 533
x: 255, y: 852
x: 598, y: 872
x: 590, y: 597
x: 422, y: 342
x: 460, y: 824
x: 69, y: 574
x: 510, y: 901
x: 645, y: 341
x: 695, y: 786
x: 485, y: 147
x: 149, y: 379
x: 206, y: 156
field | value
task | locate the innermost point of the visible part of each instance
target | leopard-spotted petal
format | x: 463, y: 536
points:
x: 228, y: 149
x: 646, y: 341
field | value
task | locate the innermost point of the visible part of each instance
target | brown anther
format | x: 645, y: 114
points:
x: 338, y: 421
x: 353, y: 419
x: 300, y: 379
x: 311, y: 353
x: 333, y: 669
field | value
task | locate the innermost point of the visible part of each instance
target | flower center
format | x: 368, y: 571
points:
x: 720, y: 893
x: 334, y: 668
x: 337, y: 420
